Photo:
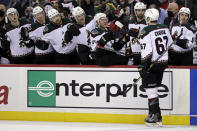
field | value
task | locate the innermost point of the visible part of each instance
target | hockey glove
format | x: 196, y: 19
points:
x: 182, y: 43
x: 42, y: 45
x: 29, y: 43
x: 5, y: 44
x: 133, y: 32
x: 106, y: 38
x: 73, y: 30
x: 24, y: 33
x: 143, y: 71
x: 68, y: 37
x: 117, y: 45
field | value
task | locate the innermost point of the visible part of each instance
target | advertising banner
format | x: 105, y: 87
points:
x: 92, y: 89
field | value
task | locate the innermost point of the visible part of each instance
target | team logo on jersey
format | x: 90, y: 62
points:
x: 46, y: 29
x: 193, y: 28
x: 142, y: 33
x: 94, y: 32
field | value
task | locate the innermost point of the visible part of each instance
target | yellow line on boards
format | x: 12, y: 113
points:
x: 88, y: 117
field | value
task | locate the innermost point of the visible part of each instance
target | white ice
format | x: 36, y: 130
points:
x: 73, y: 126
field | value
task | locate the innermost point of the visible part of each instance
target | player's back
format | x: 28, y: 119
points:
x: 155, y: 39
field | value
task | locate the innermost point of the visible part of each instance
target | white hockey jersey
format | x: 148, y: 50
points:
x: 13, y: 36
x: 36, y: 33
x: 54, y: 35
x: 136, y: 49
x: 96, y: 35
x: 188, y: 33
x: 155, y: 39
x: 83, y: 38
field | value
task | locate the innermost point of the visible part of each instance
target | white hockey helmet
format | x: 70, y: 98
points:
x: 77, y: 11
x: 98, y: 16
x: 185, y: 10
x: 139, y: 5
x: 37, y: 10
x: 11, y: 10
x: 151, y: 15
x: 52, y: 13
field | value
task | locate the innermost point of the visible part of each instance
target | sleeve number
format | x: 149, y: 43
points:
x: 143, y: 46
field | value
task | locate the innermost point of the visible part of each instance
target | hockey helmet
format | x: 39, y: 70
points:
x: 11, y: 10
x: 139, y: 6
x: 52, y: 13
x: 37, y: 10
x: 98, y: 16
x: 77, y: 11
x: 184, y: 10
x: 151, y: 15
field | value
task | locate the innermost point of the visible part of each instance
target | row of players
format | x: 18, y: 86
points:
x: 92, y: 41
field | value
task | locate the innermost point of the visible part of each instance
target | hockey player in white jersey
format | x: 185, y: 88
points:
x: 154, y: 40
x: 17, y: 38
x: 85, y: 24
x: 105, y: 45
x: 135, y: 25
x: 54, y: 34
x: 182, y: 52
x: 36, y: 32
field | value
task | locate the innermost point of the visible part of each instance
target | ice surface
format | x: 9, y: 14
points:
x: 74, y: 126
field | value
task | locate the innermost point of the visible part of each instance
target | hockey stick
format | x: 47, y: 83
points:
x: 139, y: 78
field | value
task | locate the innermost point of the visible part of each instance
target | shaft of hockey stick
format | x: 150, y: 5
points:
x: 173, y: 43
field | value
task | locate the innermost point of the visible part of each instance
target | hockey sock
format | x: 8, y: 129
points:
x: 154, y: 105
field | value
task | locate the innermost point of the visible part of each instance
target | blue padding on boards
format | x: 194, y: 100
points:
x: 193, y: 91
x: 193, y: 120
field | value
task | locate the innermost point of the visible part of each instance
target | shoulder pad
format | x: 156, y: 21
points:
x: 9, y: 27
x: 190, y: 27
x: 34, y: 26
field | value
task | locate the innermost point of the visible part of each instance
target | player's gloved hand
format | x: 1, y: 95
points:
x: 24, y: 33
x: 68, y: 36
x: 106, y: 38
x: 183, y: 43
x: 29, y: 43
x: 119, y: 43
x: 73, y: 30
x: 133, y: 32
x: 143, y: 71
x: 42, y: 45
